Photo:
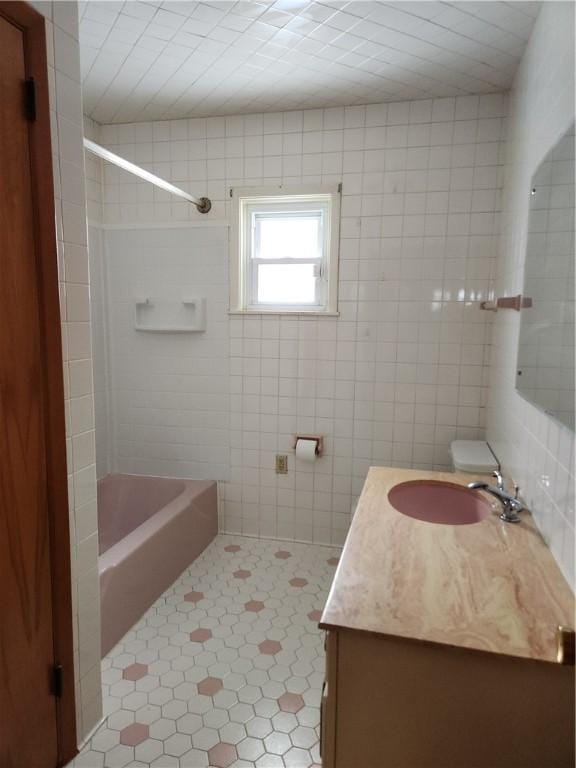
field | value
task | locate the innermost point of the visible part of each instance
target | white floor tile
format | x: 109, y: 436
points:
x: 225, y: 669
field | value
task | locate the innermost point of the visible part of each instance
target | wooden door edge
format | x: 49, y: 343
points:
x: 34, y: 28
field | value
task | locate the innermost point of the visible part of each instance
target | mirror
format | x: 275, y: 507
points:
x: 545, y: 370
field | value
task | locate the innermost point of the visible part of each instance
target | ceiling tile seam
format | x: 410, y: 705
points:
x: 441, y: 47
x: 462, y: 8
x: 492, y: 84
x: 302, y: 131
x: 196, y: 79
x: 107, y: 36
x: 407, y: 12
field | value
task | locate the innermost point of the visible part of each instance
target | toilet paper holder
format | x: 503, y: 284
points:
x: 318, y: 438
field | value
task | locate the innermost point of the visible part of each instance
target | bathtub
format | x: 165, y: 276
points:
x: 150, y: 529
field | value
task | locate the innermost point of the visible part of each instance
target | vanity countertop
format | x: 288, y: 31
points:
x: 490, y: 586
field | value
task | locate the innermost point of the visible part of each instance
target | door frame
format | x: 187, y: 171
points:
x: 33, y: 28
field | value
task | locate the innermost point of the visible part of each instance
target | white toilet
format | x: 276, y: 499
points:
x: 473, y: 456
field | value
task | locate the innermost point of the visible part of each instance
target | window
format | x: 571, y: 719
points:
x: 285, y: 251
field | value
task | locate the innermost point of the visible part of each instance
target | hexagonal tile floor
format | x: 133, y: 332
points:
x: 225, y: 669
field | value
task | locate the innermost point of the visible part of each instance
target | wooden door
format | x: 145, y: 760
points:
x: 30, y: 716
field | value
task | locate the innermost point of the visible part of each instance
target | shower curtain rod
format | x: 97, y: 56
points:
x: 203, y: 204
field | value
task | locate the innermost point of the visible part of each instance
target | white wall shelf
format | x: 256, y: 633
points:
x: 163, y: 316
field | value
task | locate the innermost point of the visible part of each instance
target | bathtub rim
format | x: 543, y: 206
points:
x: 118, y: 551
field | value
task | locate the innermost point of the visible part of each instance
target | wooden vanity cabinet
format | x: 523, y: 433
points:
x: 390, y: 702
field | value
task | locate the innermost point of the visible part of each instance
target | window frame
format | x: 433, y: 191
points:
x: 244, y: 268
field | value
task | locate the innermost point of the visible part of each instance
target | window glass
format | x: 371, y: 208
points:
x: 286, y: 284
x: 287, y: 236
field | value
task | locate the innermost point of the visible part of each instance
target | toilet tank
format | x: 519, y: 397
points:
x: 474, y: 456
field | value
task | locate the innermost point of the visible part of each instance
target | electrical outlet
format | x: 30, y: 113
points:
x: 281, y: 464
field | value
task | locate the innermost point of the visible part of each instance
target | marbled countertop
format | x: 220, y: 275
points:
x: 489, y: 586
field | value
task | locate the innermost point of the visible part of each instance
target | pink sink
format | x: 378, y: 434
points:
x: 435, y: 501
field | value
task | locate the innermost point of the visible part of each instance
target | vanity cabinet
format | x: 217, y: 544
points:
x: 395, y: 703
x: 441, y: 644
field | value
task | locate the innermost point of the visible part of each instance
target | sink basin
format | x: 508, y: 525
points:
x: 435, y: 501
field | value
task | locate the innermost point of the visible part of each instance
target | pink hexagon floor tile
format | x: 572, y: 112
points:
x: 242, y: 574
x: 333, y: 560
x: 254, y: 606
x: 193, y: 597
x: 315, y: 616
x: 200, y: 635
x: 222, y: 755
x: 135, y: 671
x: 134, y: 734
x: 298, y: 582
x: 291, y: 702
x: 269, y: 647
x: 282, y: 554
x: 210, y: 686
x: 232, y: 548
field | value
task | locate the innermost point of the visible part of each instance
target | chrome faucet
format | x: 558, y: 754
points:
x: 511, y: 505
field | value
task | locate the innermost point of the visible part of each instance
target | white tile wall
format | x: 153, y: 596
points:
x: 93, y: 168
x: 99, y: 308
x: 66, y: 115
x: 102, y: 374
x: 537, y: 451
x: 397, y: 376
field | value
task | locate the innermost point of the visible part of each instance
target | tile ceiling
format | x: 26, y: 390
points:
x: 167, y: 60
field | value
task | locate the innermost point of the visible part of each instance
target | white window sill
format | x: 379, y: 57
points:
x: 304, y: 312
